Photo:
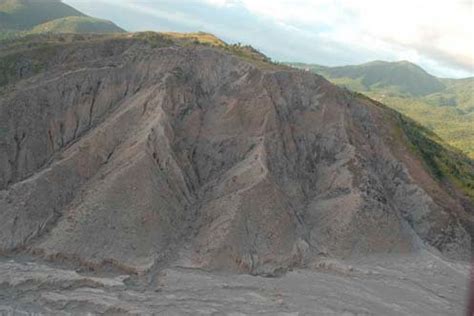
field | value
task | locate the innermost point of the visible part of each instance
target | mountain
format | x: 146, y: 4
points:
x: 132, y: 149
x: 445, y: 106
x: 25, y: 14
x: 20, y: 16
x: 131, y: 164
x: 401, y: 77
x: 459, y: 93
x: 77, y: 24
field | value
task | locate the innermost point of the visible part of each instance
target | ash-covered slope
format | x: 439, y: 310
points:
x: 144, y: 151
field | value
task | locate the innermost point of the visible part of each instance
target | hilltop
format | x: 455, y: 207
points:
x: 400, y: 77
x: 19, y: 17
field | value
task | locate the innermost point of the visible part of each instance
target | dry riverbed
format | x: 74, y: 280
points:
x: 415, y: 285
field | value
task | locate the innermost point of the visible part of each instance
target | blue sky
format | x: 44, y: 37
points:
x: 438, y: 35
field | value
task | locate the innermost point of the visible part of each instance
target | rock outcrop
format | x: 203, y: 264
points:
x: 136, y: 155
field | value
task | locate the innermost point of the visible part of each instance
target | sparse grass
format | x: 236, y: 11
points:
x: 153, y: 39
x: 443, y: 161
x: 17, y: 65
x: 453, y: 125
x: 77, y: 24
x: 10, y: 35
x: 198, y: 38
x: 27, y: 54
x: 249, y: 53
x: 22, y: 15
x: 18, y: 17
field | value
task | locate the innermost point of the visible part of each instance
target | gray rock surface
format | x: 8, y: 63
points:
x: 391, y: 285
x: 120, y: 153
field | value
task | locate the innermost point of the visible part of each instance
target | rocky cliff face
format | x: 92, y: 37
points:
x: 137, y: 155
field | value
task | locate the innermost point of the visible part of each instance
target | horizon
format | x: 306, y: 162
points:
x: 437, y: 39
x: 374, y: 61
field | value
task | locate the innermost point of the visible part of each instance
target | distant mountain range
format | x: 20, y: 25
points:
x: 445, y: 106
x: 53, y: 16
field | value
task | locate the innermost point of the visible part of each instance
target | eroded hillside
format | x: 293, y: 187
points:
x: 147, y: 150
x: 444, y: 106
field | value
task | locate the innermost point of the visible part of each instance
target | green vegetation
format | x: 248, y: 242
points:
x: 458, y: 93
x: 25, y: 14
x: 22, y: 17
x: 443, y: 162
x: 77, y: 24
x: 24, y: 56
x: 249, y: 53
x: 403, y: 78
x: 450, y: 123
x: 198, y: 37
x: 246, y: 52
x: 446, y: 163
x: 444, y: 106
x: 153, y: 39
x: 23, y: 63
x: 10, y: 35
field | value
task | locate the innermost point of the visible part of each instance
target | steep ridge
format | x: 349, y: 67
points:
x: 170, y: 152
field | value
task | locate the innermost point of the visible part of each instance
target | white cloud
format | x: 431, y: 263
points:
x: 437, y: 29
x: 220, y: 3
x: 437, y: 34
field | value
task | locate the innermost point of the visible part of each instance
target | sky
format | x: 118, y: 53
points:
x: 435, y: 34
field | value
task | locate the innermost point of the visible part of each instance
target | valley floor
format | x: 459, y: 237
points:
x: 391, y: 285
